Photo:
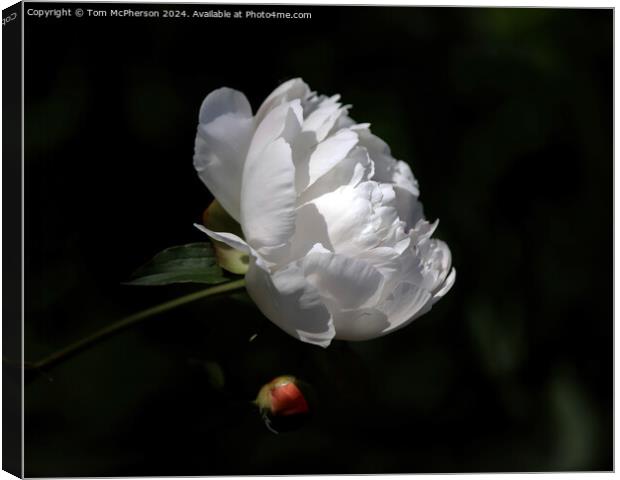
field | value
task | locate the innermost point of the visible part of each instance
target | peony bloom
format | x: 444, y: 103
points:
x: 337, y: 240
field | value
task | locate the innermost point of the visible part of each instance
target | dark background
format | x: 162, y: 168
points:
x: 505, y: 116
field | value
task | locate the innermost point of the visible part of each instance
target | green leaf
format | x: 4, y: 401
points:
x: 194, y: 262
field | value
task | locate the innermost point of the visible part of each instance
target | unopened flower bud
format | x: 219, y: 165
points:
x: 216, y: 218
x: 282, y: 403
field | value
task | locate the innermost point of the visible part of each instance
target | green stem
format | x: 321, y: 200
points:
x: 129, y: 321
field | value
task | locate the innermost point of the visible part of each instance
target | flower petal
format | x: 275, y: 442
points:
x: 346, y: 212
x: 324, y: 116
x: 289, y: 301
x: 403, y: 177
x: 222, y: 141
x: 329, y: 153
x: 387, y: 168
x: 402, y: 306
x: 223, y: 101
x: 229, y: 239
x: 343, y: 282
x: 406, y: 303
x: 310, y: 228
x: 268, y: 197
x: 409, y: 208
x: 293, y: 89
x: 447, y: 285
x: 436, y: 261
x: 391, y: 264
x: 356, y: 325
x: 283, y: 121
x: 356, y: 167
x: 423, y: 230
x: 360, y: 218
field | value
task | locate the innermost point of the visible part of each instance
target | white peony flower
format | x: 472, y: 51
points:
x: 338, y: 244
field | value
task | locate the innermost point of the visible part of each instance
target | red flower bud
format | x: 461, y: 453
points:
x: 287, y: 399
x: 281, y: 401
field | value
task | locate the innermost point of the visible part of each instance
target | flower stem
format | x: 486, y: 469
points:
x: 129, y: 321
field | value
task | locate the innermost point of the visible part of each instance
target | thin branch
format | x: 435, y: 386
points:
x: 129, y: 321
